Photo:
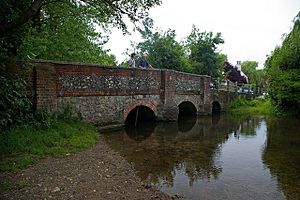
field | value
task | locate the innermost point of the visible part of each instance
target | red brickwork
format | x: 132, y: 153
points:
x: 46, y: 86
x: 91, y: 89
x: 141, y: 102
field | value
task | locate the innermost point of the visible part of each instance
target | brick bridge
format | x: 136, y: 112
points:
x: 106, y: 95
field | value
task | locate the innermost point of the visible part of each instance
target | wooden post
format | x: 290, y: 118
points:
x: 136, y: 116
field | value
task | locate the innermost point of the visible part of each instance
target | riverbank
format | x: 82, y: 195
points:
x: 95, y: 173
x: 64, y: 173
x: 257, y: 106
x: 26, y: 144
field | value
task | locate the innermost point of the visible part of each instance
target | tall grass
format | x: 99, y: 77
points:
x: 26, y: 144
x: 256, y: 106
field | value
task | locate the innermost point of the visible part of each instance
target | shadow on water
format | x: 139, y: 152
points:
x: 186, y: 123
x: 140, y: 123
x: 142, y: 131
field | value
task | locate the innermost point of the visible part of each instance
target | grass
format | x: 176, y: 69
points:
x: 27, y: 144
x: 256, y: 106
x: 12, y: 186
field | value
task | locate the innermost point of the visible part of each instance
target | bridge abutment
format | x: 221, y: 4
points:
x: 167, y: 112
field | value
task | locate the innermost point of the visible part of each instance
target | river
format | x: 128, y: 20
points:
x: 219, y: 157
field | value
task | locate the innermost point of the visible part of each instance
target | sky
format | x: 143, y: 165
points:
x: 251, y: 28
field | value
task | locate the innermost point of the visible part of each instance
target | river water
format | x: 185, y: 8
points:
x: 220, y: 157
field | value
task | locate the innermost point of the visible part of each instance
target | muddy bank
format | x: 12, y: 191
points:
x: 96, y: 173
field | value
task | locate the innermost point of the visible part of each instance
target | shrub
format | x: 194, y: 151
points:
x: 43, y: 118
x: 256, y: 106
x: 15, y: 105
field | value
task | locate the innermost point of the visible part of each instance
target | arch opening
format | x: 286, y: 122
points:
x: 187, y: 108
x: 216, y: 107
x: 140, y: 114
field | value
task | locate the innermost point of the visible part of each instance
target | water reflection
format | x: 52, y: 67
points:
x: 141, y: 132
x: 186, y: 123
x: 282, y: 154
x: 217, y: 157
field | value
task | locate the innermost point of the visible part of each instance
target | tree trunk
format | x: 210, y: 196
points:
x: 22, y: 19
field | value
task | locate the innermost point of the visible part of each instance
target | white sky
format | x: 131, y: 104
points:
x: 251, y: 28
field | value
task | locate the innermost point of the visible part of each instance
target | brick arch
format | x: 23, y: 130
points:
x: 217, y: 97
x: 222, y: 97
x: 141, y: 102
x: 180, y: 102
x: 190, y: 101
x: 217, y: 101
x: 187, y: 101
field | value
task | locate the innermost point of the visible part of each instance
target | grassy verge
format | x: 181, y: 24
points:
x: 25, y: 145
x: 256, y: 106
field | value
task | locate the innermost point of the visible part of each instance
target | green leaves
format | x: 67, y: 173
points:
x: 65, y: 30
x: 203, y: 52
x: 197, y: 54
x: 164, y: 51
x: 15, y: 106
x: 284, y: 71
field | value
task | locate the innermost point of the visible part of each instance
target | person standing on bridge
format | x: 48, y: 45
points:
x: 144, y: 63
x: 131, y: 61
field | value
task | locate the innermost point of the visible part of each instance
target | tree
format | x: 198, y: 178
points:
x: 283, y: 67
x: 64, y: 22
x: 203, y: 52
x: 249, y: 68
x: 64, y: 37
x: 57, y: 30
x: 16, y: 13
x: 221, y: 59
x: 103, y: 12
x: 256, y: 77
x: 262, y: 77
x: 164, y: 51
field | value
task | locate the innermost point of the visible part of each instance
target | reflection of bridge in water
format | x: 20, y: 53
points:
x: 192, y: 144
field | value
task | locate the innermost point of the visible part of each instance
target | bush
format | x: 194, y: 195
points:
x: 256, y: 106
x: 284, y: 72
x: 43, y: 118
x: 240, y: 101
x: 15, y: 105
x: 285, y: 89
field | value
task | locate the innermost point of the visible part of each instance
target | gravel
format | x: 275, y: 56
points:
x: 95, y: 173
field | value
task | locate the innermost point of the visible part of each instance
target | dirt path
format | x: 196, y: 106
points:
x: 96, y: 173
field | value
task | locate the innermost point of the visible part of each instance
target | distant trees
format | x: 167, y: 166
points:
x: 249, y: 68
x: 203, y: 55
x: 257, y: 77
x: 164, y: 51
x: 197, y: 53
x: 283, y: 67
